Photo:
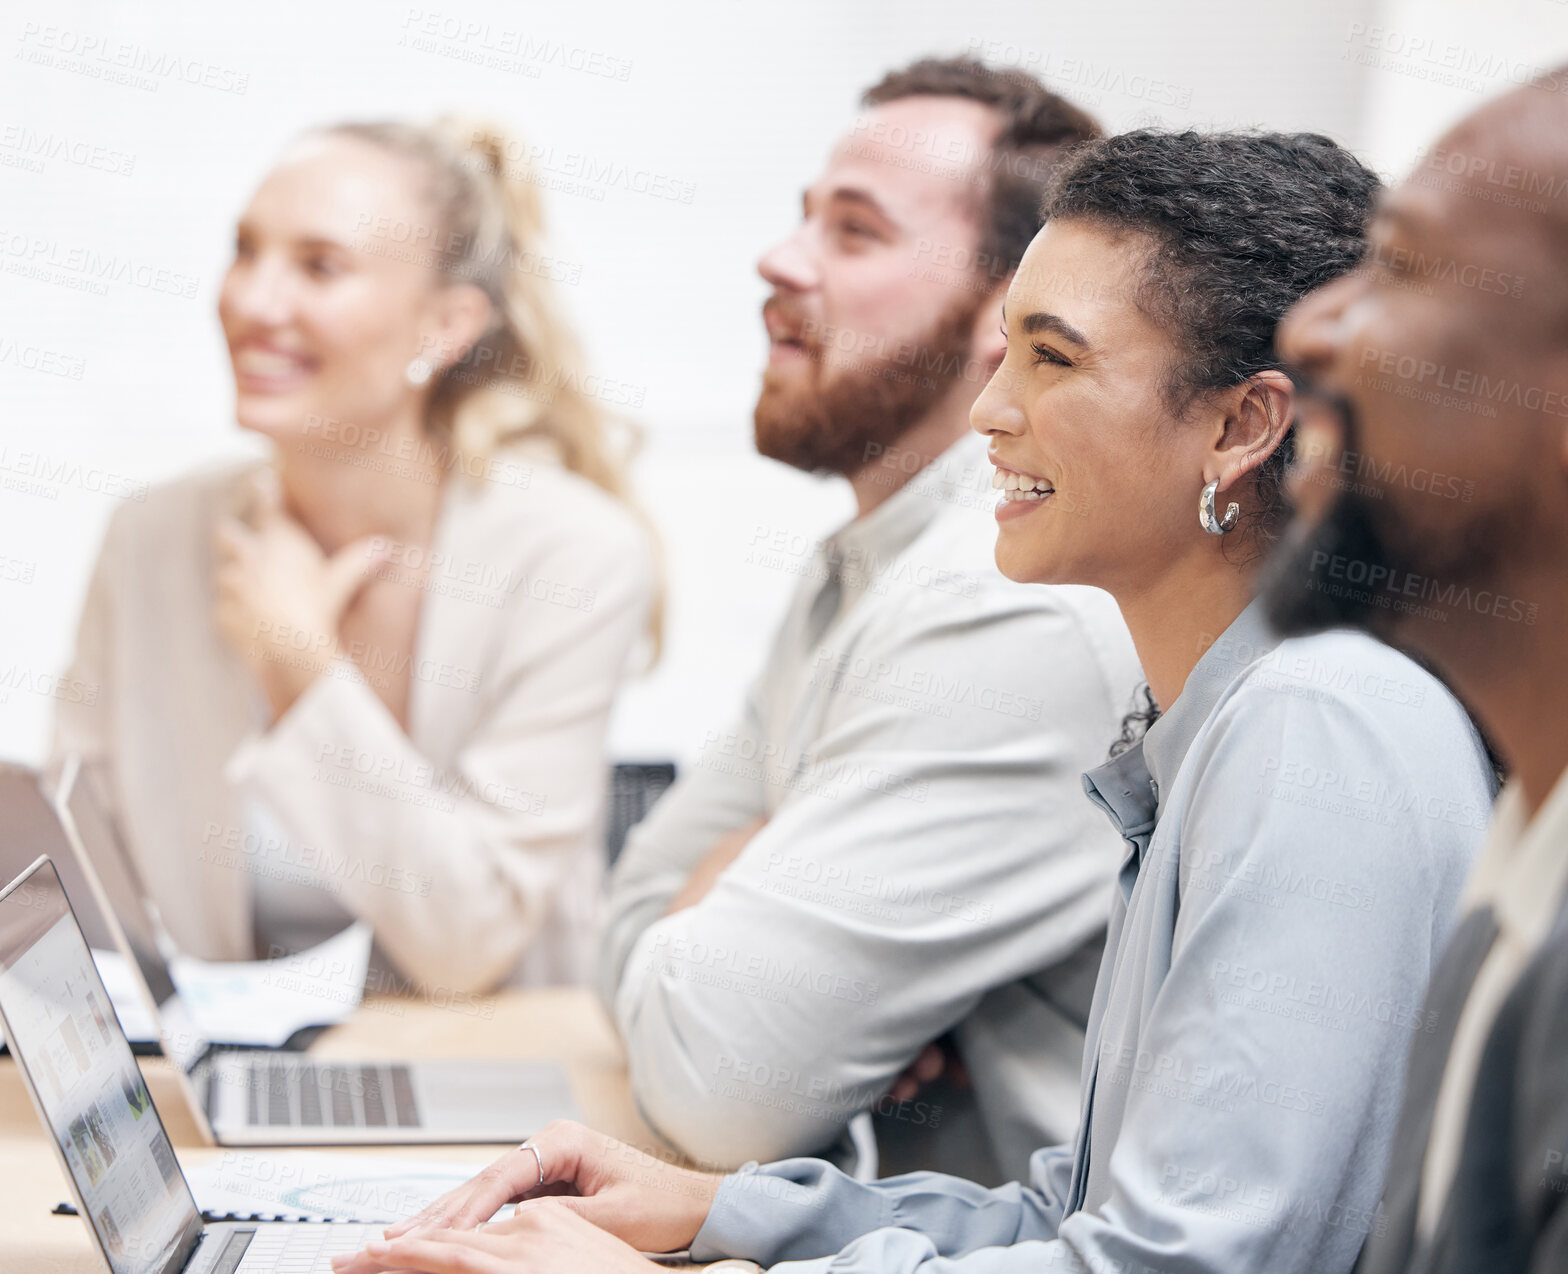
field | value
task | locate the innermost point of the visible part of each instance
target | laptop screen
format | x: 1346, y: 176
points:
x: 67, y: 1039
x: 29, y: 827
x: 86, y: 817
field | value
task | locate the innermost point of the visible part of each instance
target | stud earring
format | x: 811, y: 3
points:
x: 418, y: 371
x: 1206, y: 515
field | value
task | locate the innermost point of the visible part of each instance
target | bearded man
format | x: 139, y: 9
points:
x: 880, y: 889
x: 1432, y: 511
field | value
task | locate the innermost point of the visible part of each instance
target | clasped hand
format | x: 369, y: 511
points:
x: 280, y: 599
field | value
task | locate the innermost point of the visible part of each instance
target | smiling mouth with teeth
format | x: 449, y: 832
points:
x: 1016, y: 488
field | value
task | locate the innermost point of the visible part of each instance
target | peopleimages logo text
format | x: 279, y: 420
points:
x: 1423, y: 588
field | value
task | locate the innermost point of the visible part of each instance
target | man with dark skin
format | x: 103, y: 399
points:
x: 1432, y: 500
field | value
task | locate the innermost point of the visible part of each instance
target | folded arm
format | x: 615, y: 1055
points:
x: 914, y: 860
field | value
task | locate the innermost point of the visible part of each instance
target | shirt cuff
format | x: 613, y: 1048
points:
x: 795, y: 1209
x: 723, y: 1230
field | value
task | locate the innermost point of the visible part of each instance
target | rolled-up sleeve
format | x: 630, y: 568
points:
x: 914, y: 861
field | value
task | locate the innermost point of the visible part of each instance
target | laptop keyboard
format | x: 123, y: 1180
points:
x: 289, y: 1093
x: 286, y: 1249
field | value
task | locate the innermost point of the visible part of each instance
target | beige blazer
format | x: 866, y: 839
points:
x: 472, y: 844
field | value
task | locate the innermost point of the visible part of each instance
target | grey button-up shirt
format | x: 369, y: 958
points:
x: 915, y: 741
x: 1297, y: 826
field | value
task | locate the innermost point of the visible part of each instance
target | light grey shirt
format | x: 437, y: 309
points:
x: 1297, y: 827
x: 915, y: 741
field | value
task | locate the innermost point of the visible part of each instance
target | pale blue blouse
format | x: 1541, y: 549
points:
x: 1298, y: 826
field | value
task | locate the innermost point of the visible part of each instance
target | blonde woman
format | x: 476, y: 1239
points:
x: 371, y: 678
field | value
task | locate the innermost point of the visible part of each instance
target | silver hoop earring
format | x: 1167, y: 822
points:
x: 1206, y: 516
x: 418, y: 371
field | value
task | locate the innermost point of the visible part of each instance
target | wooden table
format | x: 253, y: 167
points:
x: 566, y: 1025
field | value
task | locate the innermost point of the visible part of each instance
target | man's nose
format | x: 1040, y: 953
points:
x: 789, y: 264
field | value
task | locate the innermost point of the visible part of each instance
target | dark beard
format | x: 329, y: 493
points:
x: 1323, y: 577
x: 1299, y: 595
x: 863, y: 410
x: 1297, y: 590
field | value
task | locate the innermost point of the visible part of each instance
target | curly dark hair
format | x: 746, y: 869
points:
x: 1143, y: 713
x: 1240, y: 227
x: 1037, y: 127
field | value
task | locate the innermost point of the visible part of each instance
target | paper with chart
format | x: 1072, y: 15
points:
x: 263, y: 1002
x: 315, y: 1186
x: 253, y: 1002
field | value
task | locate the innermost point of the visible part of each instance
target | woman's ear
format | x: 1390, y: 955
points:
x: 1253, y: 429
x: 460, y: 317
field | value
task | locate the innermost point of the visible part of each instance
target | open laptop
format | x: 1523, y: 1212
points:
x: 253, y: 1097
x: 29, y: 827
x: 109, y: 1137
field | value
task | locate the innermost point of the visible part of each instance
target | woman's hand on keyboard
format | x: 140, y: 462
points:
x: 652, y: 1205
x: 544, y: 1237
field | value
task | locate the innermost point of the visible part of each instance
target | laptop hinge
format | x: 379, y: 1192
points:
x: 233, y: 1252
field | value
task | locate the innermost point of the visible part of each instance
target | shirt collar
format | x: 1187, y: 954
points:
x: 862, y: 549
x: 1522, y: 870
x: 1130, y: 788
x: 1248, y: 639
x: 1123, y: 789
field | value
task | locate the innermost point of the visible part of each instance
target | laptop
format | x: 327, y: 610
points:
x: 108, y: 1135
x: 259, y: 1097
x: 28, y: 828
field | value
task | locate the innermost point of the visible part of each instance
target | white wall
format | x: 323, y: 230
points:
x: 738, y: 102
x: 1426, y: 63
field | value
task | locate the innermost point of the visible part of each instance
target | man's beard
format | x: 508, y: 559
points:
x: 842, y: 422
x: 1360, y: 565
